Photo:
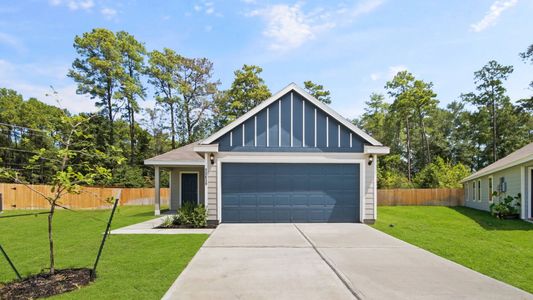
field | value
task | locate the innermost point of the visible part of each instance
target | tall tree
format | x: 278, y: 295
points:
x: 374, y: 116
x: 489, y: 83
x: 98, y: 71
x: 131, y: 87
x: 247, y: 91
x: 399, y: 88
x: 197, y: 89
x: 163, y: 71
x: 317, y: 91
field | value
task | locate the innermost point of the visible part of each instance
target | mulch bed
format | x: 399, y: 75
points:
x: 186, y: 226
x: 46, y: 285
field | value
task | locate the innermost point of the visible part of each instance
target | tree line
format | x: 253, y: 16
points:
x: 430, y: 146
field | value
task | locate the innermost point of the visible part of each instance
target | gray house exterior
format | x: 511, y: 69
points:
x: 511, y: 175
x: 290, y: 159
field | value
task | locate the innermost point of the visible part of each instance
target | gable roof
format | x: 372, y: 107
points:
x: 183, y: 155
x: 520, y: 156
x: 276, y: 96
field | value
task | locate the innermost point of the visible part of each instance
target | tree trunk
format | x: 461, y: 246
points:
x: 408, y: 149
x: 172, y: 125
x: 50, y: 239
x: 132, y: 132
x: 425, y: 139
x: 494, y: 134
x: 110, y: 114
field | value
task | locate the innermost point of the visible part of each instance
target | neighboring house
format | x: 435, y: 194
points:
x: 289, y: 159
x: 511, y: 175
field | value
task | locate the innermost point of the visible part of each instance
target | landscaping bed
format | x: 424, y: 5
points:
x: 46, y: 285
x: 185, y: 226
x: 501, y: 249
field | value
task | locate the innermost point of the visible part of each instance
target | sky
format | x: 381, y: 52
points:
x: 351, y: 47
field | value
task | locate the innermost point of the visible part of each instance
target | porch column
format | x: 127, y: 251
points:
x: 157, y: 192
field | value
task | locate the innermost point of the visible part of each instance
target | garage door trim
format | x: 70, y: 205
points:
x: 291, y: 159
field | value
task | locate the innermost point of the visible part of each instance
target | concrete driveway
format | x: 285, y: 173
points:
x: 325, y: 261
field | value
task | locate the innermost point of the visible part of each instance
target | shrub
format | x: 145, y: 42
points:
x: 507, y: 206
x: 191, y: 215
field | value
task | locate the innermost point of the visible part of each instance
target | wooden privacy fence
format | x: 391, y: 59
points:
x: 18, y: 196
x: 428, y: 197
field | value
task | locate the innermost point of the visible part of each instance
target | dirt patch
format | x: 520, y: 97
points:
x: 185, y: 226
x: 46, y: 285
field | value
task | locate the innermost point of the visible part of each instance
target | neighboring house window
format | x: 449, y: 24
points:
x: 502, y: 187
x: 474, y: 191
x: 490, y: 189
x: 479, y: 190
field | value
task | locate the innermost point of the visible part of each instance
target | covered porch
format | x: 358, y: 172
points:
x: 187, y: 181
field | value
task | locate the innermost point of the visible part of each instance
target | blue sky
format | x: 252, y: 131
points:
x: 351, y: 47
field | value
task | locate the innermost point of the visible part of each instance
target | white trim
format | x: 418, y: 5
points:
x: 255, y: 131
x: 375, y: 160
x: 157, y: 192
x: 181, y: 186
x: 206, y: 186
x: 279, y: 123
x: 315, y: 127
x: 529, y: 186
x: 523, y: 188
x: 292, y: 120
x: 268, y: 127
x: 490, y: 188
x: 173, y: 163
x: 231, y: 138
x: 338, y: 135
x: 307, y: 96
x: 170, y: 207
x: 292, y: 159
x: 327, y: 131
x: 351, y: 140
x: 303, y: 123
x: 243, y: 134
x: 376, y: 150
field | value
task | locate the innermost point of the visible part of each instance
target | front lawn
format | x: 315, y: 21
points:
x: 132, y: 266
x: 501, y: 249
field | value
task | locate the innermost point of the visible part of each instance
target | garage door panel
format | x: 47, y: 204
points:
x: 290, y: 192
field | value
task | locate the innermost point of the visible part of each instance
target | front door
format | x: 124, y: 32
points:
x: 189, y: 188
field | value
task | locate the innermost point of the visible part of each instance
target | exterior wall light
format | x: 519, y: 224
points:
x: 212, y: 158
x: 370, y: 160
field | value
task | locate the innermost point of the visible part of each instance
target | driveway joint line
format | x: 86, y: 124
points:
x: 337, y: 273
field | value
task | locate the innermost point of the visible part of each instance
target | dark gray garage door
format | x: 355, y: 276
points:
x: 290, y: 192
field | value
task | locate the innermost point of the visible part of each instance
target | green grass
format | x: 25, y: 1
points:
x: 132, y: 266
x: 501, y: 249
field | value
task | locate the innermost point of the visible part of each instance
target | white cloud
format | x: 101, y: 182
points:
x: 207, y: 7
x: 16, y: 77
x: 389, y: 74
x: 74, y: 4
x: 11, y: 41
x: 109, y: 13
x: 495, y: 11
x: 289, y: 26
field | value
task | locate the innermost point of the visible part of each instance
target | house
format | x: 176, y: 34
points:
x: 511, y: 175
x: 289, y: 159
